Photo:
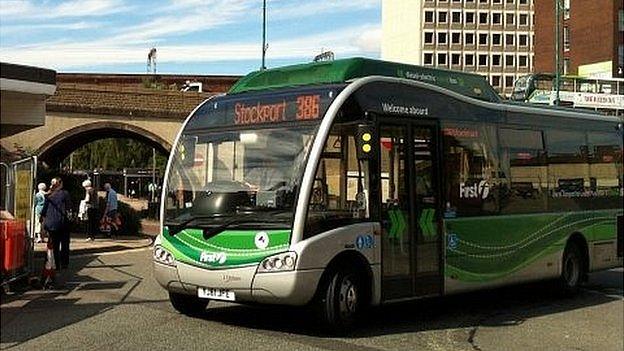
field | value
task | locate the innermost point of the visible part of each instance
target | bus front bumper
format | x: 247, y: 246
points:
x: 284, y: 288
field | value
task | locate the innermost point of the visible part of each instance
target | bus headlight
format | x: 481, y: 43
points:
x: 282, y: 262
x: 161, y: 255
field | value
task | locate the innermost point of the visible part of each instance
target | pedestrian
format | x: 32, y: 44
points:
x: 39, y: 201
x: 56, y: 214
x: 110, y: 213
x: 91, y: 209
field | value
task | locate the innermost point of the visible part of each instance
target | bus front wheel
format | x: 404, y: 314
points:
x: 341, y: 300
x: 571, y: 269
x: 188, y: 304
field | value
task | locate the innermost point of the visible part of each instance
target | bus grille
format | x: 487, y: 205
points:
x: 620, y: 236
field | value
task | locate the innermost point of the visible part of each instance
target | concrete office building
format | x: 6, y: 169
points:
x: 592, y: 37
x: 490, y: 37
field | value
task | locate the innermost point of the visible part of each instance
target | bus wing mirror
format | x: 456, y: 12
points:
x: 365, y: 140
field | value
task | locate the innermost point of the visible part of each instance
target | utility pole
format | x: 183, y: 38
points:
x: 557, y: 49
x: 264, y: 44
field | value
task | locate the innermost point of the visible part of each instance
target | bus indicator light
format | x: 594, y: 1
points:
x: 364, y: 139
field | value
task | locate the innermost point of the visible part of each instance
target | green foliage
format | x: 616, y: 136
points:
x: 116, y: 154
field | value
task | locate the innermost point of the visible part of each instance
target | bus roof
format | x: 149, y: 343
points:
x: 344, y: 70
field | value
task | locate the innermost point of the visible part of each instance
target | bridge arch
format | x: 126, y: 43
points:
x: 60, y: 146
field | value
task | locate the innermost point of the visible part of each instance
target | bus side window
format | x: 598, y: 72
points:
x: 524, y: 169
x: 471, y: 168
x: 569, y: 182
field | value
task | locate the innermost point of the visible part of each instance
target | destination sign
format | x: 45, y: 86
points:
x: 302, y: 104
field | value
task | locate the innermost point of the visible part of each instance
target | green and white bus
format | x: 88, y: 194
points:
x: 357, y: 182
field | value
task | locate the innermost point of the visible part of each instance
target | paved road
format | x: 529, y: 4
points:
x: 113, y: 303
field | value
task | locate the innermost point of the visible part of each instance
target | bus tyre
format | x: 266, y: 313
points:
x: 341, y: 301
x: 188, y: 304
x: 571, y: 270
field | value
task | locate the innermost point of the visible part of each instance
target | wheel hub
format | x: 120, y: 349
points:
x: 348, y: 298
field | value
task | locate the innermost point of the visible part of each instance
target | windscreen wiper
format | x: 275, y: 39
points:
x: 175, y: 228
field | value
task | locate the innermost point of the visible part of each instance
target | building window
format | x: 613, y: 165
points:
x: 441, y: 59
x: 456, y: 38
x: 456, y: 17
x: 428, y: 37
x: 496, y: 81
x: 509, y: 39
x: 455, y: 59
x: 469, y: 38
x: 523, y: 61
x: 523, y: 20
x: 566, y: 9
x: 457, y: 0
x: 509, y: 80
x: 510, y: 18
x: 509, y: 60
x: 483, y: 1
x: 470, y: 17
x: 483, y: 58
x: 566, y: 66
x: 442, y: 17
x: 497, y: 18
x: 523, y: 40
x: 497, y: 1
x: 469, y: 59
x: 523, y: 2
x: 566, y: 38
x: 428, y: 59
x: 442, y: 38
x: 496, y: 39
x: 510, y: 1
x: 496, y: 60
x: 483, y: 18
x: 429, y: 17
x: 483, y: 38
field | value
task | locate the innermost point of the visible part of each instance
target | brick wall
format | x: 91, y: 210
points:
x: 594, y: 34
x: 124, y: 102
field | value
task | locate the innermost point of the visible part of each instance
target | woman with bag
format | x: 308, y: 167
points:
x: 56, y: 220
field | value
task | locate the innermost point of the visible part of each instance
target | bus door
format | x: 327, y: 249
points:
x: 409, y: 211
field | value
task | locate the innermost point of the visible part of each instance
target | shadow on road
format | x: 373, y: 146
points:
x: 500, y: 307
x: 30, y: 313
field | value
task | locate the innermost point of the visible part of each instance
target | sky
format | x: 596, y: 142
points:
x: 190, y: 36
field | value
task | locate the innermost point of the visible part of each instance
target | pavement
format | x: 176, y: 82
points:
x: 112, y: 302
x: 80, y: 246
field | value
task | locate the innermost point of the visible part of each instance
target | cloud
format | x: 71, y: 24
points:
x: 63, y: 56
x: 14, y: 10
x: 292, y: 9
x: 29, y: 28
x: 220, y: 12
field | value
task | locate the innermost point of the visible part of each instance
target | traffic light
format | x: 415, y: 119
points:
x: 365, y: 141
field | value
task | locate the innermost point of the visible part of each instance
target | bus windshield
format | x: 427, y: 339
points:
x: 251, y: 174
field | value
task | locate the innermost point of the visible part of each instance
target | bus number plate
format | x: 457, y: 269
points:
x: 216, y: 294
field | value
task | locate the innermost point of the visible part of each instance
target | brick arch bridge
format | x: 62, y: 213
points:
x: 88, y: 107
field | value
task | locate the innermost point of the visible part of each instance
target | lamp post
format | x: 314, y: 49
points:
x: 557, y: 49
x: 264, y: 44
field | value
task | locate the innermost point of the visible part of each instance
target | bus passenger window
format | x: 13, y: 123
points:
x: 524, y: 170
x: 472, y: 170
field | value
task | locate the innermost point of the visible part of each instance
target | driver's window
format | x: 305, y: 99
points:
x: 340, y: 190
